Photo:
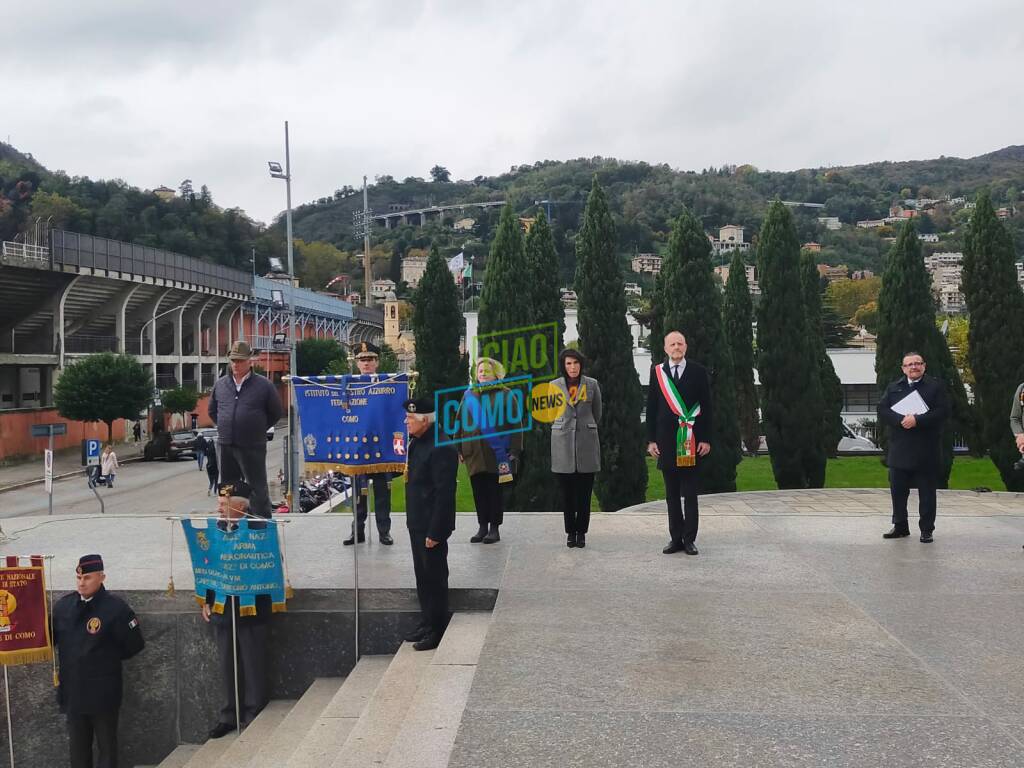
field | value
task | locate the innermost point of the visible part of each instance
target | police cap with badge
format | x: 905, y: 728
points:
x: 419, y: 405
x: 239, y: 489
x: 364, y: 350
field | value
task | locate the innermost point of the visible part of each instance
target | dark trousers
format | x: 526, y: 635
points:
x: 247, y: 463
x: 200, y: 455
x: 381, y: 500
x: 681, y: 482
x: 900, y: 483
x: 252, y: 666
x: 490, y: 507
x: 576, y: 490
x: 431, y: 566
x: 82, y: 729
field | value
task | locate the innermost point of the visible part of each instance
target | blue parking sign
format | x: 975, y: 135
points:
x: 91, y: 452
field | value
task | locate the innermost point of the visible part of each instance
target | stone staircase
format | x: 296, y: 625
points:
x: 391, y: 712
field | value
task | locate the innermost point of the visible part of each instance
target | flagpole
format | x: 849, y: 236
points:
x: 10, y: 728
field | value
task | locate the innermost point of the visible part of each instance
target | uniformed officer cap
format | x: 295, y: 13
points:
x: 367, y: 351
x: 239, y: 488
x: 89, y: 564
x: 419, y: 405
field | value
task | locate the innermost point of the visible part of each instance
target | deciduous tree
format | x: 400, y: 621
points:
x: 103, y: 387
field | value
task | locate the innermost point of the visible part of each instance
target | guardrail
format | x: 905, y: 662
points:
x: 25, y: 251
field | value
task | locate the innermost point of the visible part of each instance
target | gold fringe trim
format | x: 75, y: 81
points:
x: 355, y: 469
x: 200, y: 601
x: 279, y: 608
x: 170, y: 587
x: 27, y: 656
x: 56, y: 679
x: 289, y: 593
x: 218, y: 608
x: 247, y: 610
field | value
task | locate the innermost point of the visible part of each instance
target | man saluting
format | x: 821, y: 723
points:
x: 678, y: 434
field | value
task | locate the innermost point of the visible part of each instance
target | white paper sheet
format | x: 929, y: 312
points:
x: 911, y: 404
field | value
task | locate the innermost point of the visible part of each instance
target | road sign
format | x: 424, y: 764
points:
x: 45, y: 430
x: 48, y: 469
x: 91, y: 452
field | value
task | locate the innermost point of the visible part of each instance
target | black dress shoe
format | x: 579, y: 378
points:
x: 581, y: 540
x: 673, y: 547
x: 428, y: 643
x: 385, y: 538
x: 492, y: 535
x: 689, y: 548
x: 479, y: 535
x: 418, y: 634
x: 926, y: 538
x: 895, y: 533
x: 352, y: 539
x: 220, y: 729
x: 570, y: 540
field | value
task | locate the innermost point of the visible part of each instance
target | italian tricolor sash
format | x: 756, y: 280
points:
x: 686, y: 447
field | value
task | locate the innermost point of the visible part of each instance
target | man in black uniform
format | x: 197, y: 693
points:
x: 94, y: 631
x: 915, y: 443
x: 232, y: 506
x: 244, y: 405
x: 430, y: 516
x: 367, y: 360
x: 674, y: 380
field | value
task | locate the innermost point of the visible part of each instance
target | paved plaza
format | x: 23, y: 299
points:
x: 798, y: 637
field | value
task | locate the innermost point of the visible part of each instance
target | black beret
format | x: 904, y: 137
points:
x: 419, y: 405
x: 89, y: 564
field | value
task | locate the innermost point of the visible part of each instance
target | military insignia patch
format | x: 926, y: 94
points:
x: 310, y: 442
x: 398, y: 443
x: 203, y: 541
x: 93, y: 625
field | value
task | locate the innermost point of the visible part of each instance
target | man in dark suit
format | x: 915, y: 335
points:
x: 677, y: 458
x: 915, y: 443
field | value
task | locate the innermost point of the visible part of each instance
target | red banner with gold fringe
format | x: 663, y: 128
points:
x: 24, y: 624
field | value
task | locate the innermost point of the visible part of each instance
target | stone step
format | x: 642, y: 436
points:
x: 325, y: 737
x: 427, y: 734
x: 179, y: 757
x: 374, y: 732
x: 210, y: 752
x: 255, y: 737
x: 282, y: 743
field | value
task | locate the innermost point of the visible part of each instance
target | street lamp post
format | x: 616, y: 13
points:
x: 152, y: 347
x: 286, y: 174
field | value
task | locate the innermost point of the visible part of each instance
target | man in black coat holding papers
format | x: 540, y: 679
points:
x: 915, y: 407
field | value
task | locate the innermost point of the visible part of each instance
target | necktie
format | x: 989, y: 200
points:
x: 675, y: 372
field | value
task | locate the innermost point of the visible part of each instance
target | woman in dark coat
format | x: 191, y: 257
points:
x: 575, y: 445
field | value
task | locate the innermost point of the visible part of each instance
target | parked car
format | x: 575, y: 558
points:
x: 210, y: 433
x: 169, y: 445
x: 850, y: 442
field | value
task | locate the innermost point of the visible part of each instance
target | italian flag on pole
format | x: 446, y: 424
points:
x: 686, y: 445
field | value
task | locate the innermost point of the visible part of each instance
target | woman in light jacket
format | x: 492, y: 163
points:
x: 575, y: 445
x: 491, y: 460
x: 109, y: 465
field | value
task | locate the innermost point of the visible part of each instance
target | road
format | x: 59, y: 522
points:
x: 141, y: 488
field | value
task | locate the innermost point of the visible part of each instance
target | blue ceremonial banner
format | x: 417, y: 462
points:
x: 244, y: 562
x: 353, y: 424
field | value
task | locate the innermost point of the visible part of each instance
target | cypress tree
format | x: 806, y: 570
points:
x: 437, y: 325
x: 536, y: 488
x: 996, y: 334
x: 906, y: 323
x: 831, y: 387
x: 693, y: 305
x: 606, y: 342
x: 791, y: 403
x: 506, y: 282
x: 657, y: 338
x: 738, y: 314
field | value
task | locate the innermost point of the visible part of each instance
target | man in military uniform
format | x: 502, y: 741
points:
x: 367, y: 360
x: 232, y: 506
x: 94, y: 631
x: 430, y: 516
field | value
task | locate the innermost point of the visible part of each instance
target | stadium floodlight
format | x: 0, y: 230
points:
x: 276, y: 170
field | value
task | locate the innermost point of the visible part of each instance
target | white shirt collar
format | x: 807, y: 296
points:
x: 238, y: 384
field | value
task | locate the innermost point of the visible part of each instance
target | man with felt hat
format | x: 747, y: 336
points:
x: 367, y: 357
x: 251, y: 631
x: 93, y: 631
x: 430, y: 516
x: 244, y: 405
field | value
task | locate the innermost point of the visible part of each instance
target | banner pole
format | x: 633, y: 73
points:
x: 10, y: 729
x: 355, y: 565
x: 234, y: 655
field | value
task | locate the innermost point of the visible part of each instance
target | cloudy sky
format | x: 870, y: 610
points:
x: 155, y: 93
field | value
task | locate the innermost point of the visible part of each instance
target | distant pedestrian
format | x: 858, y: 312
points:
x: 137, y: 431
x: 212, y: 472
x: 109, y: 465
x: 199, y: 445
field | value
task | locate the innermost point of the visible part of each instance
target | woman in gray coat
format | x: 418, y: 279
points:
x: 575, y: 446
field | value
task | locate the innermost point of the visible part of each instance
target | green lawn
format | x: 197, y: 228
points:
x: 756, y: 475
